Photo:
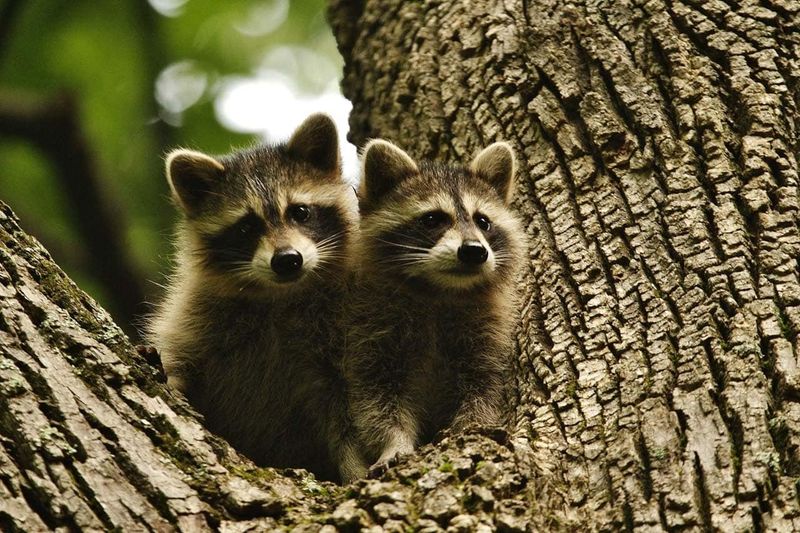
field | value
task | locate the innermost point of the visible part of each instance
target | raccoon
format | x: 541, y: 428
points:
x: 248, y: 330
x: 430, y: 327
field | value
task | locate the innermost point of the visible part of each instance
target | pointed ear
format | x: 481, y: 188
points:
x: 495, y: 164
x: 384, y: 166
x: 192, y: 176
x: 316, y: 142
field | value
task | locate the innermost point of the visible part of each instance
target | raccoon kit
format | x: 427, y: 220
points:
x: 247, y: 330
x: 431, y: 320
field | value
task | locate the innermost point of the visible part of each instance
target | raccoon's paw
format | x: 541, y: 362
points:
x: 383, y: 465
x: 350, y: 475
x: 377, y: 470
x: 351, y: 469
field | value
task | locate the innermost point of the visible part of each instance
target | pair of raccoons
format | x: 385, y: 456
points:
x: 310, y: 339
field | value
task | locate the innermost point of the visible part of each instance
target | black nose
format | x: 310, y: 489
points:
x: 286, y: 261
x: 472, y: 253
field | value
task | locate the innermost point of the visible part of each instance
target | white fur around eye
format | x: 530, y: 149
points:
x: 218, y: 222
x: 327, y: 195
x: 394, y: 216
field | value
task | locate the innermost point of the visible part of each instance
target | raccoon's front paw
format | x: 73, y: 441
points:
x: 350, y: 475
x: 352, y: 468
x: 383, y: 465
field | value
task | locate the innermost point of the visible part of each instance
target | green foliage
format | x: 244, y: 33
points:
x: 109, y: 56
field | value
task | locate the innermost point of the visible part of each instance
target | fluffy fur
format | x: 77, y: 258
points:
x: 431, y: 320
x: 246, y: 333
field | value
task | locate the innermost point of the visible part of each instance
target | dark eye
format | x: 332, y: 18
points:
x: 483, y: 222
x: 434, y: 219
x: 249, y: 224
x: 299, y: 213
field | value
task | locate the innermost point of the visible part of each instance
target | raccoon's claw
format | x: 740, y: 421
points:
x: 381, y: 467
x: 441, y: 435
x: 377, y: 470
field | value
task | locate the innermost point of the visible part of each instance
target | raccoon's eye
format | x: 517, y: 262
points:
x: 249, y: 224
x: 434, y: 219
x: 299, y: 213
x: 482, y: 221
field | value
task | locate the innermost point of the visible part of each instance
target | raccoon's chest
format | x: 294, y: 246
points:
x: 436, y: 376
x: 456, y: 347
x: 264, y: 365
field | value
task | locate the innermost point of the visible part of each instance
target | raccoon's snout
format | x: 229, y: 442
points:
x: 286, y: 262
x: 472, y: 253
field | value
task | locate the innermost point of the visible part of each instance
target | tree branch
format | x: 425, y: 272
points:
x: 53, y: 125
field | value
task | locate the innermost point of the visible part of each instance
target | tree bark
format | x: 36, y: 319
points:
x: 657, y: 346
x: 658, y: 144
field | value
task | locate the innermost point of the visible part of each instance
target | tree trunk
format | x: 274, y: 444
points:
x: 658, y: 143
x: 657, y: 378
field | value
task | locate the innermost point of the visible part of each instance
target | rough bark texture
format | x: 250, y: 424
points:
x: 658, y: 380
x: 657, y: 347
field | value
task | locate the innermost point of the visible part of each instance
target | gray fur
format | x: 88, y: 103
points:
x: 422, y: 355
x: 262, y: 361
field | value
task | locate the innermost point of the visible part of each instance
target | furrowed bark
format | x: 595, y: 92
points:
x: 658, y: 143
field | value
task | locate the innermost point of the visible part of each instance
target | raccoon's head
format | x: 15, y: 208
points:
x: 443, y: 226
x: 266, y: 218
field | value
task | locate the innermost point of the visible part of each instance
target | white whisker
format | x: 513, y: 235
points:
x: 401, y: 245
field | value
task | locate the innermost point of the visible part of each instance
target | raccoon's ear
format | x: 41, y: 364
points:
x: 495, y: 164
x: 316, y: 142
x: 192, y: 176
x: 384, y: 166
